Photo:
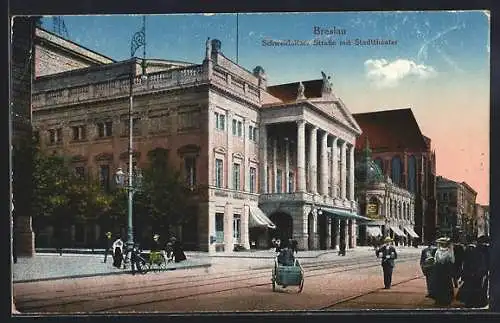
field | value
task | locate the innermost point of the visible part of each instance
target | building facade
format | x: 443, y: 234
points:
x: 261, y: 161
x: 390, y: 208
x: 405, y: 155
x: 456, y: 209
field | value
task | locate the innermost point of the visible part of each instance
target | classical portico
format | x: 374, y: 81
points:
x: 312, y: 141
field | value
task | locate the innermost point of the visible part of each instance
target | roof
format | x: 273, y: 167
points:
x: 390, y: 130
x: 288, y: 92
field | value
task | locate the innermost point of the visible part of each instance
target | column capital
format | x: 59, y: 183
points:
x: 301, y: 122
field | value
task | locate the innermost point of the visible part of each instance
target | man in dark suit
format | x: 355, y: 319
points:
x: 388, y: 254
x: 427, y: 262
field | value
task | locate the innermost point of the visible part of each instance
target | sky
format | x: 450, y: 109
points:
x: 437, y: 63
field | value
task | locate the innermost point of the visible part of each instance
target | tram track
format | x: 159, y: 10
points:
x: 311, y: 270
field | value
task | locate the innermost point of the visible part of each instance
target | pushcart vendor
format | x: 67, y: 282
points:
x: 286, y: 257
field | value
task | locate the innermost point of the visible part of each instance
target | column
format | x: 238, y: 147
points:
x: 245, y: 241
x: 263, y: 159
x: 229, y: 154
x: 343, y: 176
x: 334, y: 177
x: 246, y: 168
x: 355, y: 233
x: 287, y: 165
x: 351, y: 173
x: 313, y: 156
x: 350, y: 234
x: 345, y: 224
x: 275, y: 166
x: 301, y: 156
x: 324, y: 165
x: 228, y: 228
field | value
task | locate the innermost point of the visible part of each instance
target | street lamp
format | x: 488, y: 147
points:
x: 138, y: 40
x: 131, y: 186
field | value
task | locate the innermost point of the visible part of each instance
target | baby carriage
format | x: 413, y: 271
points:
x: 287, y: 273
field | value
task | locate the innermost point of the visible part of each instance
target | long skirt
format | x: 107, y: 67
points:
x: 442, y: 285
x: 117, y: 258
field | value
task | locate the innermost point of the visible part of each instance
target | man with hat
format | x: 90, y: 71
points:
x: 388, y: 254
x: 427, y: 262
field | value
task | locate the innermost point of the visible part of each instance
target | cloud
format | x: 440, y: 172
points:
x: 388, y: 74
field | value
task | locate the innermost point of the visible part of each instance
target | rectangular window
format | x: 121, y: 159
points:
x: 59, y: 135
x: 290, y: 182
x: 253, y: 179
x: 76, y: 132
x: 218, y: 172
x: 240, y: 129
x: 135, y: 127
x: 219, y: 227
x: 190, y: 167
x: 108, y: 128
x: 217, y: 125
x: 52, y: 136
x: 236, y: 176
x: 236, y: 227
x: 222, y: 122
x: 80, y: 172
x: 100, y: 130
x: 36, y: 136
x: 234, y: 127
x: 255, y: 131
x: 250, y: 132
x: 279, y: 181
x: 104, y: 177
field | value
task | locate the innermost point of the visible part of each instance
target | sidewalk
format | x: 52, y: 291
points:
x: 48, y: 266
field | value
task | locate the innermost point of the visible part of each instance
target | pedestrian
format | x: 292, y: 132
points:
x: 388, y: 254
x: 442, y: 281
x: 108, y: 236
x: 458, y: 252
x: 427, y: 263
x: 117, y: 253
x: 278, y: 244
x: 178, y: 253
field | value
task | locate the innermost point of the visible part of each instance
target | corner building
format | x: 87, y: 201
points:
x: 261, y: 161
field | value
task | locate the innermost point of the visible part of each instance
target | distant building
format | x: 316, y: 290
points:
x: 261, y: 161
x: 390, y: 207
x: 456, y: 209
x: 482, y: 220
x: 405, y: 155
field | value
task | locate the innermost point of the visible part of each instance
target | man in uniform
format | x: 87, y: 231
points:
x: 388, y: 254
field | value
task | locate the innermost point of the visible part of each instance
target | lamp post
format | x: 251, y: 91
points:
x: 138, y: 40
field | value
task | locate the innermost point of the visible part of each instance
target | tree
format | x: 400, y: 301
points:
x: 163, y: 196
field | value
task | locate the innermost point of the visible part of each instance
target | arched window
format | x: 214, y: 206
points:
x: 380, y: 164
x: 396, y: 170
x: 412, y: 174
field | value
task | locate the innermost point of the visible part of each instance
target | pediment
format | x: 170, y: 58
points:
x: 338, y: 110
x: 104, y: 156
x: 238, y: 155
x: 220, y: 150
x: 253, y: 159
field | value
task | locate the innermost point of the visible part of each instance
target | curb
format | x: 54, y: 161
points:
x: 121, y: 272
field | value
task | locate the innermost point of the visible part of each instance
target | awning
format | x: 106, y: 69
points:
x: 344, y: 214
x: 397, y: 231
x: 374, y: 231
x: 259, y: 219
x: 410, y: 231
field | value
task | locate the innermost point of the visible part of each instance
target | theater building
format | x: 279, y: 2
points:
x: 262, y: 161
x: 406, y: 156
x: 390, y: 208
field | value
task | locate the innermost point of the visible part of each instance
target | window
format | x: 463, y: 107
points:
x: 220, y: 121
x: 240, y: 129
x: 253, y: 179
x: 236, y: 176
x: 254, y: 136
x: 396, y: 170
x: 104, y: 177
x: 279, y: 181
x: 250, y: 132
x: 135, y: 127
x: 80, y: 172
x: 188, y: 120
x: 412, y: 174
x: 236, y: 227
x: 234, y: 127
x: 219, y: 227
x: 105, y: 129
x: 52, y: 136
x: 79, y: 132
x: 59, y: 135
x: 190, y: 167
x: 290, y: 182
x: 218, y: 172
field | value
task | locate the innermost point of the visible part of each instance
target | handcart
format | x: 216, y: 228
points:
x: 288, y: 275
